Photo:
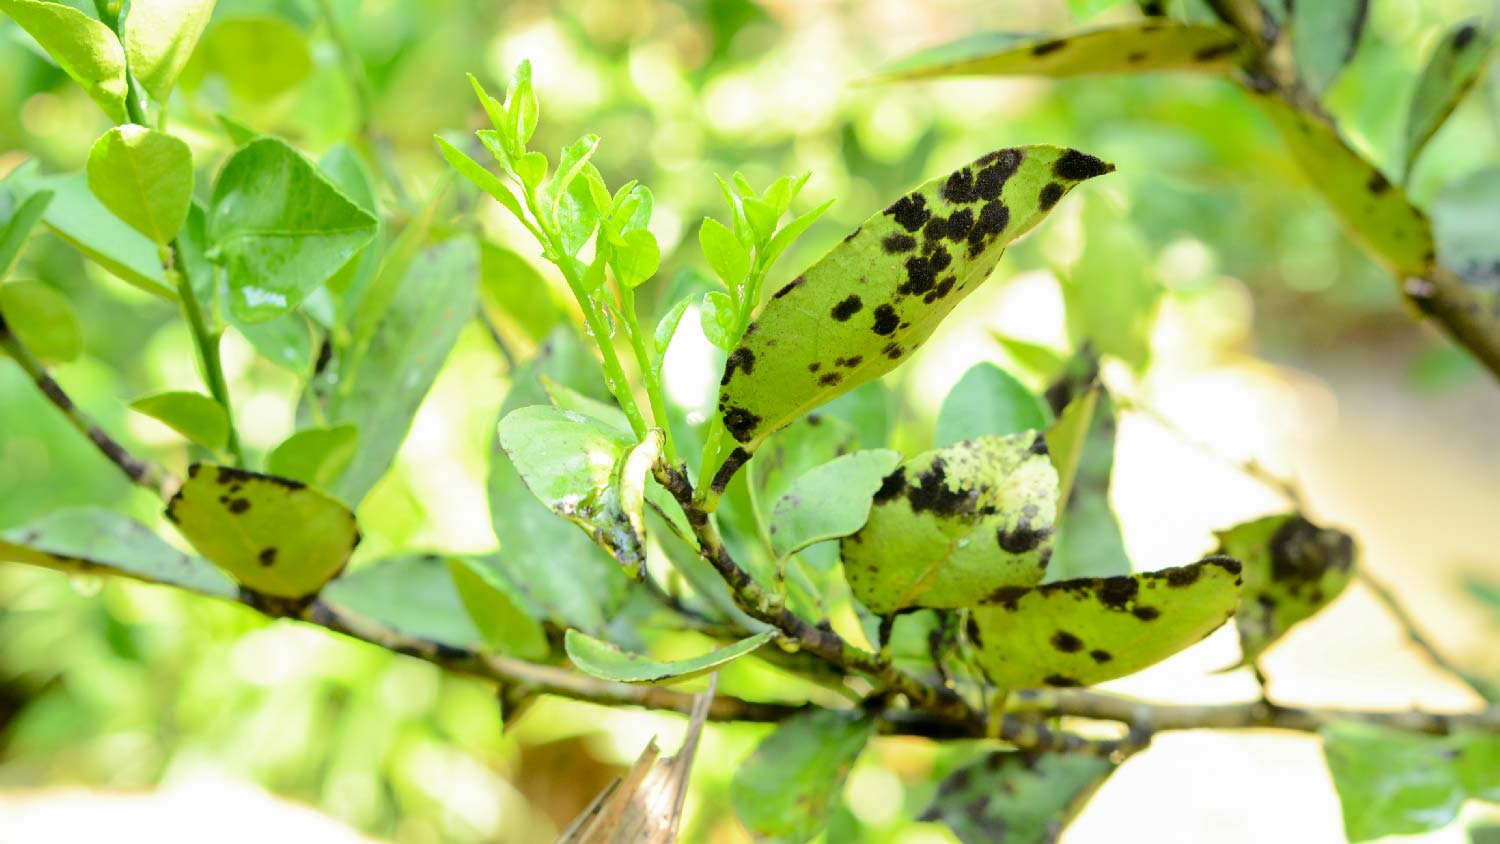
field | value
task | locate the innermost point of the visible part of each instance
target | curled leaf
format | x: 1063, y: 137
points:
x: 608, y: 662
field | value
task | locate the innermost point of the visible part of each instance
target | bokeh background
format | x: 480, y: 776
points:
x: 131, y: 711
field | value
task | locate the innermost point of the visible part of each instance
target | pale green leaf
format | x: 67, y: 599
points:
x: 1089, y: 542
x: 159, y: 37
x: 988, y: 400
x: 83, y: 47
x: 830, y: 501
x: 1465, y: 217
x: 636, y: 259
x: 878, y: 295
x: 728, y: 257
x: 145, y: 178
x: 1324, y: 36
x: 482, y: 178
x: 274, y: 535
x: 42, y: 319
x: 601, y: 659
x: 1450, y: 73
x: 1391, y: 782
x: 193, y: 415
x: 666, y: 328
x: 793, y: 230
x: 315, y: 456
x: 17, y: 227
x: 716, y: 314
x: 412, y: 594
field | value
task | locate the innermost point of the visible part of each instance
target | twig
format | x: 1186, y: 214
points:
x: 1414, y: 634
x: 141, y: 472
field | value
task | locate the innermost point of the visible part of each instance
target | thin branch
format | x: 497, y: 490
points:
x: 1414, y: 634
x: 141, y: 472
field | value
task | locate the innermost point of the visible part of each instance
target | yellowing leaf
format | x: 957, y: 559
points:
x: 870, y: 302
x: 274, y: 535
x: 1082, y: 632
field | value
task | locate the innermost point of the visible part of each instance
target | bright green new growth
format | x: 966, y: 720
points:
x: 1028, y: 796
x: 1082, y: 632
x: 1292, y: 569
x: 193, y: 415
x: 954, y: 526
x: 870, y: 302
x: 1133, y: 47
x: 159, y: 36
x: 274, y: 535
x: 609, y: 662
x: 1450, y: 73
x: 145, y: 178
x: 83, y: 47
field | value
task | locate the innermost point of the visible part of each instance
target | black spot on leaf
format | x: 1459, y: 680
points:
x: 1216, y: 51
x: 893, y: 485
x: 959, y: 189
x: 1100, y: 656
x: 910, y: 211
x: 1058, y: 681
x: 1378, y: 183
x: 885, y: 320
x: 851, y: 362
x: 1047, y: 47
x: 814, y: 366
x: 267, y: 556
x: 1022, y: 539
x: 1006, y: 596
x: 732, y: 464
x: 1136, y: 57
x: 830, y: 379
x: 238, y: 505
x: 1075, y: 166
x: 847, y: 308
x: 931, y: 494
x: 1464, y: 36
x: 899, y: 242
x: 789, y: 287
x: 1116, y: 592
x: 1050, y: 195
x: 740, y: 358
x: 993, y: 218
x: 1146, y: 613
x: 1066, y: 642
x: 740, y: 423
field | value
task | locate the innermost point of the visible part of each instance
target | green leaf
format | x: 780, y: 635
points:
x: 17, y: 228
x: 1449, y: 75
x: 281, y: 228
x: 1464, y: 218
x: 728, y: 257
x: 716, y: 313
x: 569, y: 400
x: 1391, y: 782
x: 1066, y: 440
x: 1478, y: 764
x: 199, y: 418
x: 521, y: 107
x: 954, y: 525
x: 1376, y: 212
x: 791, y: 231
x: 159, y: 37
x: 666, y: 329
x: 145, y: 178
x: 1089, y: 543
x: 515, y: 297
x: 786, y: 790
x: 877, y: 296
x: 239, y: 133
x: 601, y: 659
x: 831, y: 501
x: 274, y: 535
x: 499, y: 614
x: 1149, y: 45
x: 1086, y: 631
x: 481, y: 177
x: 543, y: 556
x: 90, y: 538
x: 260, y: 57
x: 84, y: 48
x: 77, y: 217
x: 532, y: 169
x: 43, y: 319
x: 637, y: 259
x: 865, y: 409
x: 315, y: 456
x: 762, y: 217
x: 1325, y: 35
x: 1110, y: 291
x: 1293, y: 569
x: 1035, y: 358
x: 436, y: 296
x: 1016, y: 797
x: 988, y: 400
x: 572, y: 466
x: 572, y: 212
x: 412, y: 594
x: 286, y: 341
x: 792, y: 452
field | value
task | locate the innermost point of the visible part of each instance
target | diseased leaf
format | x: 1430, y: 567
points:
x: 1324, y: 36
x: 159, y: 36
x: 411, y: 594
x: 498, y: 612
x: 145, y: 178
x: 988, y: 400
x: 437, y: 296
x: 1448, y: 76
x: 1391, y: 782
x: 1376, y: 212
x: 952, y: 526
x: 193, y: 415
x: 785, y: 791
x: 315, y: 456
x: 1082, y: 632
x: 830, y: 501
x: 1016, y: 797
x: 43, y: 319
x: 260, y: 57
x: 274, y: 535
x: 17, y: 227
x: 87, y: 539
x: 1137, y: 46
x: 608, y: 662
x: 1464, y: 217
x: 1293, y: 569
x: 866, y: 305
x: 83, y: 47
x: 281, y: 228
x: 572, y: 466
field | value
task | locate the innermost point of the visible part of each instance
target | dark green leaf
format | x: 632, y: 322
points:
x: 193, y: 415
x: 879, y: 294
x: 315, y: 456
x: 608, y: 662
x: 1012, y: 797
x: 43, y: 319
x: 1129, y: 47
x: 145, y: 178
x: 1451, y: 71
x: 988, y: 400
x: 272, y: 534
x: 784, y: 792
x: 281, y: 228
x: 1391, y: 782
x: 83, y: 47
x: 90, y: 538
